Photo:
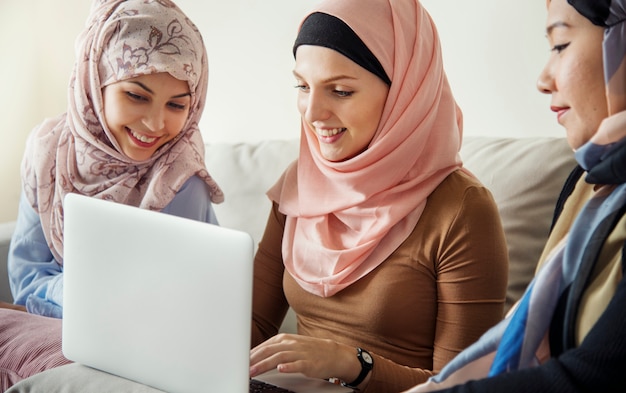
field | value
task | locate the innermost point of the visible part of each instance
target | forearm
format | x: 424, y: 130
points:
x: 269, y: 305
x: 471, y: 278
x: 33, y: 271
x: 388, y: 376
x: 596, y: 365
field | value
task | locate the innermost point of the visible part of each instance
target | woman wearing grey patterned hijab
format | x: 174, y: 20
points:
x: 568, y: 332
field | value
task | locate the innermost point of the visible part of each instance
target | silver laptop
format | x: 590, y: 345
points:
x: 157, y: 299
x: 161, y: 300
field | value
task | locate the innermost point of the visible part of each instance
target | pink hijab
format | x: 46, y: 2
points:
x: 345, y: 218
x: 76, y: 153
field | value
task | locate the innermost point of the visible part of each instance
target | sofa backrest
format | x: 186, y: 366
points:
x: 525, y: 176
x: 245, y: 171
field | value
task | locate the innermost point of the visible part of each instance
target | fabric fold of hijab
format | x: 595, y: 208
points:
x: 604, y: 156
x: 321, y: 29
x: 345, y: 218
x: 76, y: 152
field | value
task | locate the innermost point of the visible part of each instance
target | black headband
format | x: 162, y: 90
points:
x: 325, y: 30
x: 597, y: 11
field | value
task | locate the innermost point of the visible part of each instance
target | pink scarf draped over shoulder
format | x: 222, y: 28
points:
x: 76, y: 152
x: 345, y: 218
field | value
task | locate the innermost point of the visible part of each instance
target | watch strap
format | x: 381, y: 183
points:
x: 366, y: 367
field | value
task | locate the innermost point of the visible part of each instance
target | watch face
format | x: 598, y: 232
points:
x: 366, y: 356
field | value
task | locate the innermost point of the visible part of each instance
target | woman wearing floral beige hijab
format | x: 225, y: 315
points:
x: 130, y: 135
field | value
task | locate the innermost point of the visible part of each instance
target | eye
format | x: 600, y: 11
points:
x: 135, y: 97
x: 559, y: 48
x: 343, y: 93
x: 176, y: 106
x: 301, y: 87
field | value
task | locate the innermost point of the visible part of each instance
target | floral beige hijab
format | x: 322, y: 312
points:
x: 76, y: 153
x: 345, y: 218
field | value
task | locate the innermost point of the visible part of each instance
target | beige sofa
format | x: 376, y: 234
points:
x: 525, y: 176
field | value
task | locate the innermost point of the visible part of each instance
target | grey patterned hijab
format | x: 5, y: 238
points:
x: 604, y: 156
x: 611, y: 15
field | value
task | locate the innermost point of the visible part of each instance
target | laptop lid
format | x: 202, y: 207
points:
x: 155, y: 298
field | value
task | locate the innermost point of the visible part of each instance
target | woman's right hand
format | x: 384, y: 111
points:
x: 313, y: 357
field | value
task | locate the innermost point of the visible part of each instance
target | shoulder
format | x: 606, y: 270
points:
x: 194, y: 185
x: 193, y: 200
x: 460, y: 216
x: 461, y: 207
x: 457, y: 193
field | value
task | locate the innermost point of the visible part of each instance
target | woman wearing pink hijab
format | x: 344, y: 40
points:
x: 390, y: 253
x: 130, y: 135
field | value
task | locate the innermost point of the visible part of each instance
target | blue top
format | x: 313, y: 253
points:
x: 36, y: 278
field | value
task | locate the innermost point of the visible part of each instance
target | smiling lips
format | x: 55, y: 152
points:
x: 559, y: 110
x: 329, y: 135
x: 142, y: 140
x: 329, y: 131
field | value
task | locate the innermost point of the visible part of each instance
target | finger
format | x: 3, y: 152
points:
x: 272, y: 362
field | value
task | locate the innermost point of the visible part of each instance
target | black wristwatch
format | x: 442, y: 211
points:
x: 367, y: 364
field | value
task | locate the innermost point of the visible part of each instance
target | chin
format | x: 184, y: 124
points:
x: 143, y: 156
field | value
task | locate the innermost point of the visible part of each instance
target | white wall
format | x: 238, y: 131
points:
x: 36, y: 53
x: 493, y: 51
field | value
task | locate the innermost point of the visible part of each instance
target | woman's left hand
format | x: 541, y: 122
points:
x: 313, y: 357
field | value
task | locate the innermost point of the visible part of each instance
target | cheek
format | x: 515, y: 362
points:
x: 590, y: 95
x: 586, y: 94
x: 111, y: 116
x: 301, y: 103
x: 108, y: 108
x: 583, y: 84
x: 177, y: 122
x: 371, y: 115
x: 178, y: 130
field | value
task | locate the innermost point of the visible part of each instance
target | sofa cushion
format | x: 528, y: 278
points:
x: 245, y: 171
x: 525, y: 176
x: 75, y: 378
x: 29, y: 344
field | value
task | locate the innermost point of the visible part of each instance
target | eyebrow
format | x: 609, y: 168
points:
x: 555, y: 25
x: 328, y: 80
x: 146, y: 88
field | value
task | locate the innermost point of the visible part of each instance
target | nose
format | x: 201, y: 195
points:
x: 154, y: 119
x: 314, y: 106
x: 545, y: 82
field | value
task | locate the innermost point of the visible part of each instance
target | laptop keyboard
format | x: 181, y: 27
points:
x: 257, y: 386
